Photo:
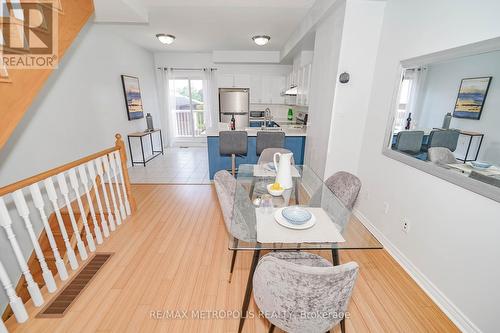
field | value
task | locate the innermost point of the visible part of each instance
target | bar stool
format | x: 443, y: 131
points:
x: 269, y: 140
x: 233, y: 143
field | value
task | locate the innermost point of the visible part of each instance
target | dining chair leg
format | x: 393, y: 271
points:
x: 342, y: 325
x: 335, y: 257
x: 232, y: 265
x: 271, y: 328
x: 248, y: 292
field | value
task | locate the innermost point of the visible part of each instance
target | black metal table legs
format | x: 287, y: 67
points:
x: 248, y: 292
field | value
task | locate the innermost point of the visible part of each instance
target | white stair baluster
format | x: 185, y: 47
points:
x: 107, y: 171
x: 100, y: 172
x: 85, y: 182
x: 15, y: 302
x: 63, y: 186
x: 114, y: 171
x: 51, y: 192
x: 92, y: 174
x: 39, y: 204
x: 6, y: 223
x: 76, y: 187
x: 23, y: 210
x: 3, y: 329
x: 124, y: 189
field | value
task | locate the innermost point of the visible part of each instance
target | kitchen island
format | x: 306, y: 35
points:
x: 295, y: 141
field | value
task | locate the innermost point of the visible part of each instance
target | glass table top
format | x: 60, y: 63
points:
x: 308, y: 191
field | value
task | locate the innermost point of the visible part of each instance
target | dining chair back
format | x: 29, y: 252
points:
x: 444, y: 138
x: 233, y: 143
x: 485, y: 179
x: 267, y: 139
x: 267, y: 155
x: 345, y: 186
x: 441, y: 155
x: 409, y: 142
x: 291, y: 288
x: 237, y: 218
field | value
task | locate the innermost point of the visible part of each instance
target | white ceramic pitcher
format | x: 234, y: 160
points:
x: 284, y: 169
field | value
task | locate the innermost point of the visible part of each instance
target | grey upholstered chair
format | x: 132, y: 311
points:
x: 441, y: 155
x: 267, y: 155
x: 233, y: 143
x: 289, y: 285
x: 345, y: 186
x: 236, y: 218
x: 269, y: 140
x: 443, y: 138
x: 485, y: 179
x: 409, y: 142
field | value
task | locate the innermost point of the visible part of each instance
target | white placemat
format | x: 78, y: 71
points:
x: 324, y: 231
x: 260, y: 170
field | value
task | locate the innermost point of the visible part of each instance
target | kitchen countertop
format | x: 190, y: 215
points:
x: 287, y: 129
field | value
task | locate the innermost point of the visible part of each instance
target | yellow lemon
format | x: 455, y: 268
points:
x: 276, y: 186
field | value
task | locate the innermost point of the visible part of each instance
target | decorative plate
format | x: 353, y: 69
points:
x: 278, y: 216
x: 296, y: 215
x: 480, y: 165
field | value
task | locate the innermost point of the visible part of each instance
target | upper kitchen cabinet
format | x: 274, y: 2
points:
x: 233, y: 81
x: 266, y: 89
x: 300, y: 77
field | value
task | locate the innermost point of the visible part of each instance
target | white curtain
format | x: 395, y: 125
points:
x: 167, y: 97
x: 210, y: 96
x: 418, y: 76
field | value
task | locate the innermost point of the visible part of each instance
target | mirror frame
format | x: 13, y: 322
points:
x: 486, y: 46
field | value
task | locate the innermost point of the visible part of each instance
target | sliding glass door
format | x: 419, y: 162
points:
x: 188, y: 114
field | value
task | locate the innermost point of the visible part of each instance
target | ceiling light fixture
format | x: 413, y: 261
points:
x: 165, y: 39
x: 261, y: 40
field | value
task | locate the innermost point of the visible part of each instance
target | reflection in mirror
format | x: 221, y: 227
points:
x: 448, y: 113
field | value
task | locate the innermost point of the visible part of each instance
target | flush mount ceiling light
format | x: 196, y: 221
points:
x: 165, y: 39
x: 261, y: 40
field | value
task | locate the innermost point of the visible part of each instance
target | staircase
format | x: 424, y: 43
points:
x: 19, y: 87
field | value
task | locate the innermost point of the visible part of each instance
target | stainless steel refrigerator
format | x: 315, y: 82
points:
x: 234, y: 102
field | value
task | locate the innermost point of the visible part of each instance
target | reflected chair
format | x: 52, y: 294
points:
x: 289, y: 285
x: 233, y: 143
x: 237, y: 218
x: 443, y: 138
x: 409, y: 142
x: 269, y: 140
x: 267, y: 155
x: 441, y: 156
x: 345, y: 186
x: 485, y: 179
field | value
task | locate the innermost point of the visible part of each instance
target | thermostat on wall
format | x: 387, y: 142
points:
x: 344, y: 77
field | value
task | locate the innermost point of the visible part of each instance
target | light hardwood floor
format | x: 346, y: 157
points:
x: 172, y: 255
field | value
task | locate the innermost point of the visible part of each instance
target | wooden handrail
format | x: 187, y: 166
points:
x: 119, y: 145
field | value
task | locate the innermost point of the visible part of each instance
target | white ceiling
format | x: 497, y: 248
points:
x: 205, y: 25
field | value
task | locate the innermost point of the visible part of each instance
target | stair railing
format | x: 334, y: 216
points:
x: 104, y: 172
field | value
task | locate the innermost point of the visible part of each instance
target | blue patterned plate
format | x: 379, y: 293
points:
x: 296, y: 215
x: 480, y: 165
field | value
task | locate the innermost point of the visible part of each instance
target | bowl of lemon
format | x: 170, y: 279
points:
x: 275, y: 189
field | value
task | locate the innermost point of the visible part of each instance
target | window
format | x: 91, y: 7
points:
x: 188, y: 115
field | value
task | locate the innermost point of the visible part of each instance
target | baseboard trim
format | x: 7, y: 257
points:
x: 455, y: 315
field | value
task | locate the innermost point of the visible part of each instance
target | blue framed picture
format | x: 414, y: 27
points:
x: 471, y: 97
x: 133, y: 99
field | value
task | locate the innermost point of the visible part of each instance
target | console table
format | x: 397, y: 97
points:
x: 154, y: 152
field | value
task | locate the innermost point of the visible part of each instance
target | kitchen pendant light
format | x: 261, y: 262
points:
x: 165, y: 39
x: 261, y: 40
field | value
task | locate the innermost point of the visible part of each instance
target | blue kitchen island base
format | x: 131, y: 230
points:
x: 217, y: 162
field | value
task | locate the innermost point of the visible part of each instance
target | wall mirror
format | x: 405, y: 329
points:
x: 446, y: 116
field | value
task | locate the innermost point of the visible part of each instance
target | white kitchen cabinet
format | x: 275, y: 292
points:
x: 241, y: 81
x: 266, y: 95
x: 225, y: 81
x: 277, y: 84
x: 256, y: 89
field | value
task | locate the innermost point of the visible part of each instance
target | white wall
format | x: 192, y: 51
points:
x: 360, y: 40
x: 440, y: 94
x: 76, y: 114
x: 454, y: 234
x: 322, y: 90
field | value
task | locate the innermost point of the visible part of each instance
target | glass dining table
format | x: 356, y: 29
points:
x: 255, y: 226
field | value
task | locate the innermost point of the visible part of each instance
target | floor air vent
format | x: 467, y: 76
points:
x: 67, y: 296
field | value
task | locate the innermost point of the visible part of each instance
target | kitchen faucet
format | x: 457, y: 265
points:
x: 267, y: 117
